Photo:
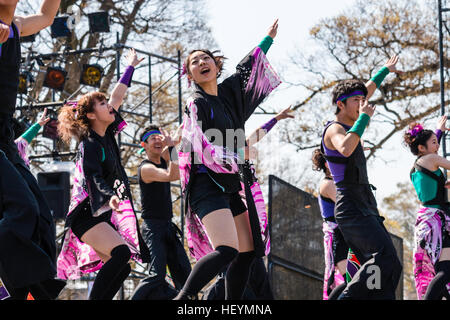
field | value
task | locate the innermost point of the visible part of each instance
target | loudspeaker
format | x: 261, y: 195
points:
x: 56, y: 189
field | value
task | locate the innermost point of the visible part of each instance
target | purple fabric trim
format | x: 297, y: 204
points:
x: 326, y: 208
x: 337, y: 169
x: 438, y: 134
x: 270, y: 124
x: 127, y: 76
x: 263, y: 78
x: 346, y: 96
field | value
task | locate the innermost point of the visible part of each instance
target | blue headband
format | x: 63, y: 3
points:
x: 346, y: 96
x: 148, y: 134
x: 145, y: 137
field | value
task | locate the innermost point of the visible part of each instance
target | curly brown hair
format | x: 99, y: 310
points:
x: 72, y: 118
x: 319, y: 161
x: 420, y: 138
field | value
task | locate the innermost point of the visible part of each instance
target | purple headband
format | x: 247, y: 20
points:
x: 416, y: 130
x: 349, y: 95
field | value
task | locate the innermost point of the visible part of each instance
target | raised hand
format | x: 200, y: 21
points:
x: 273, y: 30
x: 441, y: 125
x: 177, y: 136
x: 43, y: 119
x: 284, y: 114
x: 365, y: 107
x: 391, y: 64
x: 133, y: 58
x: 167, y: 139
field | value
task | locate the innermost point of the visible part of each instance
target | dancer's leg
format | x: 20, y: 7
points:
x: 239, y: 270
x: 222, y: 232
x: 370, y: 241
x: 108, y: 243
x: 177, y: 259
x: 437, y: 287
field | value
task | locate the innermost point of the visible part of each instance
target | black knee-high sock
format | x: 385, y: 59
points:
x: 205, y: 269
x: 117, y: 283
x: 108, y: 273
x: 437, y: 286
x: 237, y: 275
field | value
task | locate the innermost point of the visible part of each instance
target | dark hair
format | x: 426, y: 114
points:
x: 149, y: 128
x: 73, y: 121
x: 347, y: 87
x: 319, y: 161
x: 421, y: 138
x: 19, y: 127
x: 219, y: 59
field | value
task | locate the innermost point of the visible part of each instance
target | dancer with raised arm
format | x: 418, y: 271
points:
x: 221, y: 229
x: 24, y: 140
x: 27, y: 234
x: 161, y: 235
x: 356, y: 210
x: 258, y: 287
x: 335, y: 247
x: 432, y: 228
x: 102, y: 232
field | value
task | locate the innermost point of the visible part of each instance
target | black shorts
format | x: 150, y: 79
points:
x: 205, y: 197
x: 82, y: 220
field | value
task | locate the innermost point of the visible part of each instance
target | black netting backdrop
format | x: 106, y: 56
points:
x: 297, y: 255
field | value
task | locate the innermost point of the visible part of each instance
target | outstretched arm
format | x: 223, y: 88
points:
x: 121, y: 87
x: 266, y: 43
x: 31, y: 133
x: 34, y: 23
x: 260, y: 133
x: 375, y: 81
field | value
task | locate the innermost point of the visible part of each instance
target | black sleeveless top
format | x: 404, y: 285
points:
x: 355, y: 165
x: 9, y: 73
x: 156, y: 199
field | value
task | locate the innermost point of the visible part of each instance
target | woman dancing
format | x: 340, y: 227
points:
x: 102, y: 226
x: 432, y: 228
x: 209, y: 166
x: 335, y: 247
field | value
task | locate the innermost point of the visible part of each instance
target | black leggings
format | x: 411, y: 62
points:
x: 372, y: 245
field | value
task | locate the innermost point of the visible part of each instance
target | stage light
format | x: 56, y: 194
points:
x: 61, y: 28
x: 55, y: 78
x: 91, y: 75
x: 99, y: 22
x: 23, y: 83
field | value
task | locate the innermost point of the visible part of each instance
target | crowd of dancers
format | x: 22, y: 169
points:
x: 226, y: 222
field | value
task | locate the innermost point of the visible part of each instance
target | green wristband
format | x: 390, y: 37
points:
x: 32, y: 132
x: 360, y: 124
x: 379, y: 77
x: 265, y: 44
